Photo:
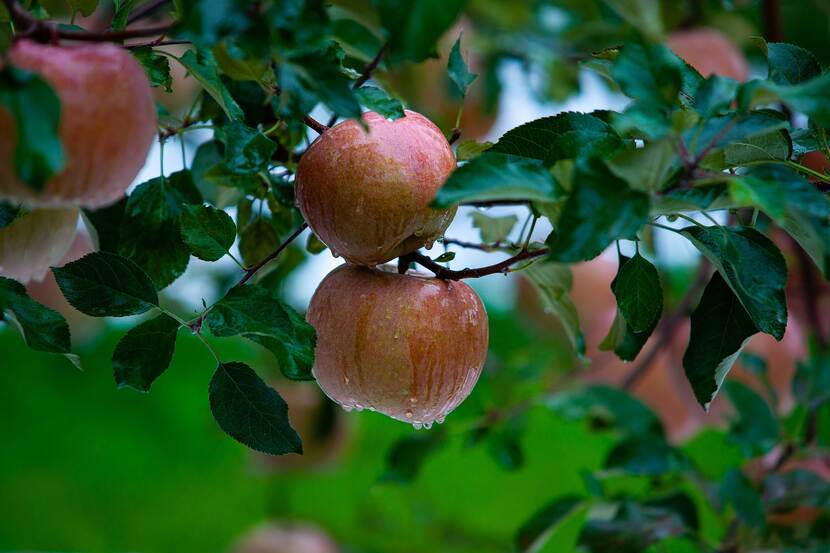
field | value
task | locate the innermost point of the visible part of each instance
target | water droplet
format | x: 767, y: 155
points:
x: 413, y: 400
x: 427, y: 425
x: 370, y: 408
x: 409, y: 413
x: 396, y: 336
x: 440, y: 420
x: 417, y: 425
x: 347, y: 408
x: 334, y: 253
x: 345, y: 379
x: 358, y: 407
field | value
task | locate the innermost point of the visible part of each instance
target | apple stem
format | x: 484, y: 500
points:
x: 315, y: 125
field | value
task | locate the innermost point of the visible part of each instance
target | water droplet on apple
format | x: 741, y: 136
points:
x: 417, y: 425
x: 439, y: 420
x: 413, y: 400
x: 347, y: 408
x: 427, y: 425
x: 345, y: 379
x: 409, y: 413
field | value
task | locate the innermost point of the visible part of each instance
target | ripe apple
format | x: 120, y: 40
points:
x: 36, y: 241
x: 710, y: 52
x: 107, y: 123
x: 367, y: 195
x: 816, y: 161
x: 409, y: 346
x: 285, y: 538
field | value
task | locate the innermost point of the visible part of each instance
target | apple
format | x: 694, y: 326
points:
x: 366, y: 195
x: 816, y: 161
x: 409, y: 346
x: 285, y: 538
x: 36, y: 241
x: 710, y: 52
x: 107, y: 123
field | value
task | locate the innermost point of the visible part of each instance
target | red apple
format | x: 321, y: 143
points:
x: 285, y: 538
x: 710, y: 52
x: 367, y: 195
x: 816, y: 161
x: 107, y: 123
x: 36, y: 241
x: 409, y: 346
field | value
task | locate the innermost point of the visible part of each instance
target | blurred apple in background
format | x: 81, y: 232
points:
x: 285, y: 538
x: 817, y: 161
x: 710, y: 52
x: 36, y: 241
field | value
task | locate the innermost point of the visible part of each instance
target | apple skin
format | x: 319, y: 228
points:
x: 816, y: 161
x: 107, y: 123
x: 367, y: 195
x: 285, y: 538
x: 36, y: 241
x: 409, y: 346
x: 710, y: 52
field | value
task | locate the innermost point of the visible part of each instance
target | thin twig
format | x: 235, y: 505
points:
x: 315, y: 125
x: 448, y: 274
x: 370, y: 67
x: 252, y: 271
x: 494, y: 203
x: 155, y: 43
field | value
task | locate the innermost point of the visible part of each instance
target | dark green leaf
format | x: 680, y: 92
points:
x: 718, y: 132
x: 36, y: 110
x: 647, y: 169
x: 753, y: 267
x: 470, y: 149
x: 458, y: 71
x: 738, y: 491
x: 413, y: 27
x: 407, y: 455
x: 251, y: 412
x: 247, y: 151
x: 754, y: 427
x: 644, y: 456
x: 639, y: 294
x: 790, y: 64
x: 208, y: 232
x: 497, y: 177
x: 209, y: 21
x: 8, y: 213
x: 145, y: 352
x: 564, y: 136
x: 535, y: 530
x: 257, y: 240
x: 320, y: 71
x: 774, y: 146
x: 258, y: 314
x: 157, y: 66
x: 720, y: 329
x: 122, y: 13
x: 493, y: 229
x: 715, y: 94
x: 106, y: 285
x: 380, y: 102
x: 150, y: 232
x: 601, y: 209
x: 609, y: 407
x: 43, y: 329
x: 106, y: 224
x: 202, y: 66
x: 649, y: 73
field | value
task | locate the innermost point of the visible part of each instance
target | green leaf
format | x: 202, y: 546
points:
x: 639, y: 294
x: 790, y: 64
x: 644, y: 456
x: 157, y: 66
x: 202, y: 66
x: 150, y: 233
x: 209, y: 21
x: 43, y: 329
x: 256, y: 312
x: 719, y: 132
x: 247, y: 151
x: 458, y: 71
x: 737, y: 490
x: 554, y: 281
x: 122, y: 13
x: 257, y: 240
x: 103, y: 284
x: 145, y: 352
x: 314, y: 245
x: 754, y: 427
x: 720, y: 329
x: 535, y: 531
x: 36, y: 109
x: 251, y: 412
x: 379, y: 101
x: 652, y: 74
x: 609, y: 407
x: 105, y: 224
x: 207, y: 231
x: 564, y: 136
x: 774, y: 146
x: 493, y: 230
x: 445, y: 257
x: 406, y: 457
x: 643, y: 15
x: 715, y: 94
x: 497, y: 177
x: 808, y: 97
x: 321, y: 72
x: 647, y: 169
x: 601, y: 209
x: 413, y: 27
x: 753, y: 267
x: 9, y: 213
x: 471, y: 149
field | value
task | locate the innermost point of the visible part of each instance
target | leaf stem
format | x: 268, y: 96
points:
x: 447, y: 274
x: 252, y: 271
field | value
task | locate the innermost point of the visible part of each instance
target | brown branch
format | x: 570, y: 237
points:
x: 470, y: 245
x: 315, y: 125
x: 448, y: 274
x: 370, y: 67
x: 667, y: 328
x: 155, y: 43
x: 252, y: 271
x: 146, y: 10
x: 494, y: 203
x: 456, y: 134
